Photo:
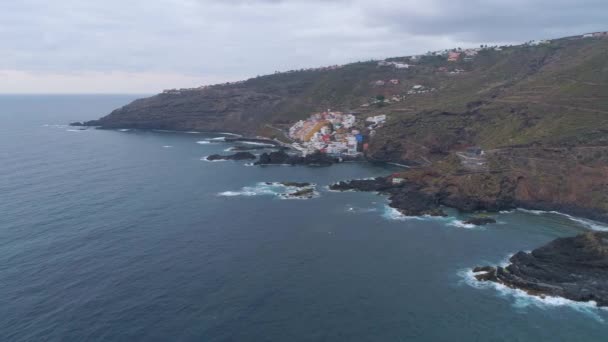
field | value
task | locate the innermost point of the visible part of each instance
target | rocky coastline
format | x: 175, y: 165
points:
x: 575, y: 268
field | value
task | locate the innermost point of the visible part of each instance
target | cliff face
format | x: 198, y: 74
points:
x: 539, y: 113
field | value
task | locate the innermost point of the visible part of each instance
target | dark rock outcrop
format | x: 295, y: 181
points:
x: 236, y: 156
x: 479, y: 220
x: 283, y: 158
x: 575, y: 268
x: 303, y: 193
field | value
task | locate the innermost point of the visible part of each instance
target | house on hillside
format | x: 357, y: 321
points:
x: 600, y: 34
x: 588, y: 35
x: 394, y: 81
x: 453, y: 56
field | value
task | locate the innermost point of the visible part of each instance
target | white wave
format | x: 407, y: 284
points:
x: 212, y: 161
x: 167, y: 146
x: 203, y: 142
x: 249, y: 164
x: 394, y: 214
x: 590, y: 224
x: 268, y: 189
x: 237, y: 193
x: 357, y: 210
x: 521, y: 299
x: 233, y: 134
x: 461, y: 224
x: 124, y: 130
x: 75, y: 130
x: 217, y: 139
x: 192, y: 132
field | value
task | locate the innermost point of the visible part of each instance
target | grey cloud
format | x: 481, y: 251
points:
x: 240, y: 38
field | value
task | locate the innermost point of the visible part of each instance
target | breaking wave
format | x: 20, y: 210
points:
x: 213, y: 161
x: 461, y: 224
x: 394, y: 214
x: 590, y: 224
x: 203, y: 142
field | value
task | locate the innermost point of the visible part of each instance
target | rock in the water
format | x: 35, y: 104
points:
x: 236, y: 156
x: 283, y: 158
x: 480, y: 221
x: 575, y: 268
x: 303, y: 193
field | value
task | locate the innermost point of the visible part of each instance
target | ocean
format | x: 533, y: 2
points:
x: 126, y: 235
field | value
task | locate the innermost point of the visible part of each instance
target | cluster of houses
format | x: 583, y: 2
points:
x: 420, y: 89
x: 601, y: 34
x: 381, y: 83
x: 327, y: 132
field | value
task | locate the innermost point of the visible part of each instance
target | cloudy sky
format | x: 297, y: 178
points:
x: 143, y: 46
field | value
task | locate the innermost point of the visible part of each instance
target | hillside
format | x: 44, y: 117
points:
x: 539, y: 112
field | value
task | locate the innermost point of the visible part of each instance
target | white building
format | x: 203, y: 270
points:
x: 378, y: 119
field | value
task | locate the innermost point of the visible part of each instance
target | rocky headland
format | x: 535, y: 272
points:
x: 575, y: 268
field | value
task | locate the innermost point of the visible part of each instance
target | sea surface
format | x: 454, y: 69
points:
x: 110, y: 235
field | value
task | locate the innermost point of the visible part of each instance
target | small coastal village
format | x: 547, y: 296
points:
x: 334, y: 133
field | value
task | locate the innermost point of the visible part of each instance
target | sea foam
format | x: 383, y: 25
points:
x: 461, y: 224
x: 590, y: 224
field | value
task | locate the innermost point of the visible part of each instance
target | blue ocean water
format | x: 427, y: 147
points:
x: 130, y: 236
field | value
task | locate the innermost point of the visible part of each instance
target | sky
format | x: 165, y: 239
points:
x: 137, y: 46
